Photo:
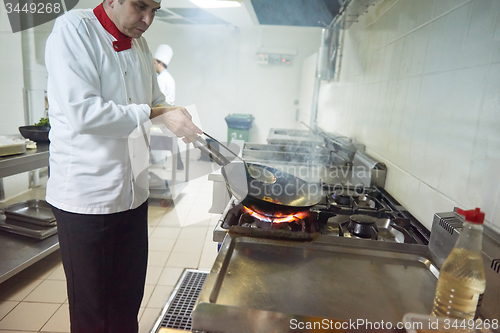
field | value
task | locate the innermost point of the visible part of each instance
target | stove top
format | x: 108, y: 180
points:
x: 351, y: 212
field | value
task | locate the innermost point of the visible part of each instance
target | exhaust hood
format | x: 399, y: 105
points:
x: 302, y: 13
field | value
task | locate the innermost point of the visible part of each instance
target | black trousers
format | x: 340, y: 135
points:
x: 105, y: 260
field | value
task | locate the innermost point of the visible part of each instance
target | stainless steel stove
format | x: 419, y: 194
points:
x: 352, y: 212
x: 356, y: 255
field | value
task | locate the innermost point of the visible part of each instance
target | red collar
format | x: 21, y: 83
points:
x: 122, y: 42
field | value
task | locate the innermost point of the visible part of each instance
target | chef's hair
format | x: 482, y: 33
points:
x: 161, y: 63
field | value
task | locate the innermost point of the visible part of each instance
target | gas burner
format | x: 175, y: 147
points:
x: 293, y: 222
x: 368, y: 227
x: 366, y: 213
x: 276, y: 219
x: 343, y: 196
x: 357, y: 201
x: 352, y: 203
x: 260, y: 224
x: 362, y: 226
x: 243, y: 216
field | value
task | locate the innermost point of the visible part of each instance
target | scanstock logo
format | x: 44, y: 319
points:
x: 26, y: 14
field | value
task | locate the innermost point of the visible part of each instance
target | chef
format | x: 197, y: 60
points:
x: 163, y: 55
x: 102, y: 86
x: 166, y: 82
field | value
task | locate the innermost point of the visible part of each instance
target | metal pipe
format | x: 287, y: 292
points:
x: 321, y: 74
x: 2, y: 191
x: 314, y: 106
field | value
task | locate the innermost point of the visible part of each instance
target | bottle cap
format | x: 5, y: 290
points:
x: 473, y: 215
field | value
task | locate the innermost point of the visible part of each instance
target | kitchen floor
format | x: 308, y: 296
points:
x: 180, y: 237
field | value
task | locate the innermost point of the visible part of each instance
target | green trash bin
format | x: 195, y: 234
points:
x: 238, y: 126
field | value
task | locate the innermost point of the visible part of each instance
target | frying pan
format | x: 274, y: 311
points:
x: 264, y: 189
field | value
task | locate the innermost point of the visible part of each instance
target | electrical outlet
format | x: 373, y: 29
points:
x: 262, y: 59
x: 286, y: 60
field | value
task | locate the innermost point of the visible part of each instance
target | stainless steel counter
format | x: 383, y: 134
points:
x: 269, y: 283
x: 19, y: 252
x: 299, y: 137
x: 30, y: 160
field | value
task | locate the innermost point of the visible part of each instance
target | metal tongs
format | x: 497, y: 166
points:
x: 211, y: 151
x: 256, y: 172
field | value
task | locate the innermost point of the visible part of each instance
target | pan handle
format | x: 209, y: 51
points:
x: 209, y: 150
x: 224, y: 146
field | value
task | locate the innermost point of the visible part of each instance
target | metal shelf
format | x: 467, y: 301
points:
x: 32, y: 159
x: 19, y: 252
x: 169, y: 189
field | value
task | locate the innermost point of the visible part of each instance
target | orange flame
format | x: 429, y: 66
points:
x: 279, y: 218
x: 271, y: 200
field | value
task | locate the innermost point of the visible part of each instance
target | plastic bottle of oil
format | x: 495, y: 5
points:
x: 461, y: 281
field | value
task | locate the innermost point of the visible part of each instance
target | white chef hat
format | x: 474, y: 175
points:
x: 164, y: 53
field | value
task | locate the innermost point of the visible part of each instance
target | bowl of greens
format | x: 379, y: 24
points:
x: 38, y: 132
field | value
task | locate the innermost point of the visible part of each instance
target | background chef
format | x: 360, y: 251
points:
x: 163, y: 55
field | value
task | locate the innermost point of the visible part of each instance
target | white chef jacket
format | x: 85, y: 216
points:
x: 97, y: 97
x: 167, y: 86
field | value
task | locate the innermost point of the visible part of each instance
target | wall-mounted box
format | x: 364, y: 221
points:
x: 286, y: 60
x: 274, y: 59
x: 262, y: 59
x: 276, y: 50
x: 275, y: 56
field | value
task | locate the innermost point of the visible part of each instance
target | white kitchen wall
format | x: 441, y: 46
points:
x: 419, y: 85
x: 215, y: 67
x: 11, y: 95
x: 35, y: 73
x: 307, y: 83
x: 11, y: 78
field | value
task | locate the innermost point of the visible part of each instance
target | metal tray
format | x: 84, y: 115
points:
x: 31, y: 211
x: 27, y: 229
x: 333, y: 277
x: 11, y: 146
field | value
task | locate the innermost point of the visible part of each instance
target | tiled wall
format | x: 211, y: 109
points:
x: 419, y: 84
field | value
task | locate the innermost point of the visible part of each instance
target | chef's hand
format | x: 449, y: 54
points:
x: 176, y: 119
